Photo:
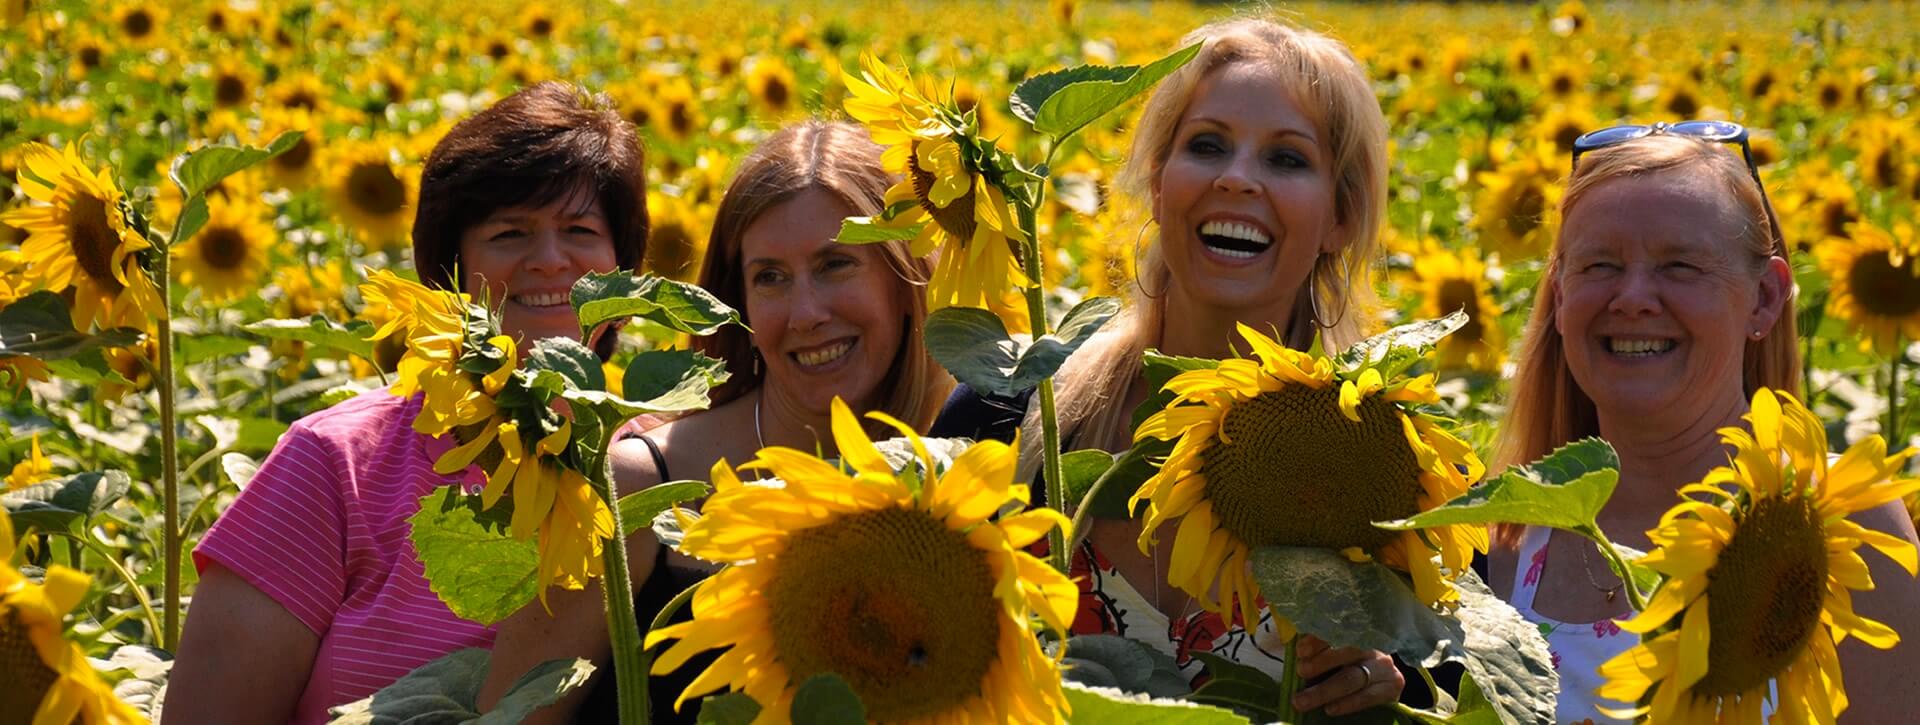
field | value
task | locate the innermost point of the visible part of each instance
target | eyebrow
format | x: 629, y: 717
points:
x: 514, y: 218
x: 1283, y: 132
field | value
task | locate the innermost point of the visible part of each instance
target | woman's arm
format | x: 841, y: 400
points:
x: 577, y: 626
x: 1877, y: 686
x: 243, y: 658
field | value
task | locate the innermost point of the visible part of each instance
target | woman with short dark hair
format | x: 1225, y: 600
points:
x: 311, y: 594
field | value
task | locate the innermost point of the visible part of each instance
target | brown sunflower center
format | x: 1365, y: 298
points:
x: 1299, y: 473
x: 1835, y: 215
x: 541, y: 27
x: 300, y: 98
x: 498, y: 49
x: 1530, y: 203
x: 914, y: 634
x: 680, y: 118
x: 223, y: 248
x: 1682, y: 104
x: 1830, y: 96
x: 1884, y: 170
x: 373, y: 189
x: 1882, y: 288
x: 1764, y: 595
x: 137, y: 24
x: 1761, y: 85
x: 957, y: 218
x: 229, y: 90
x: 1459, y: 294
x: 669, y: 249
x: 638, y: 114
x: 93, y: 240
x: 90, y: 56
x: 27, y: 677
x: 774, y: 91
x: 296, y: 158
x: 1562, y: 84
x: 1565, y: 135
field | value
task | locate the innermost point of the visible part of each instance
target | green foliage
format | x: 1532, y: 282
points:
x: 864, y: 230
x: 445, y: 691
x: 974, y: 346
x: 565, y: 355
x: 733, y: 708
x: 481, y: 572
x: 1061, y: 103
x: 1564, y: 490
x: 1397, y: 349
x: 826, y: 699
x: 201, y: 169
x: 601, y: 298
x: 1106, y: 706
x: 349, y: 337
x: 40, y: 325
x: 638, y: 509
x: 672, y: 380
x: 65, y: 504
x: 1105, y: 660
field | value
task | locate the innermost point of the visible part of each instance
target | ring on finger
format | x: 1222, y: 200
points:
x: 1366, y: 674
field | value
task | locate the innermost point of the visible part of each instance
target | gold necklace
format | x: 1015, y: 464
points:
x: 1586, y: 567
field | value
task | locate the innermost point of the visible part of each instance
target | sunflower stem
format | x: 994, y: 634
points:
x: 1618, y: 564
x: 1893, y: 395
x: 660, y: 619
x: 629, y: 659
x: 169, y: 451
x: 1289, y: 680
x: 1049, y: 418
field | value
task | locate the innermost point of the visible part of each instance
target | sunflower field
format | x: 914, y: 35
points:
x: 119, y: 452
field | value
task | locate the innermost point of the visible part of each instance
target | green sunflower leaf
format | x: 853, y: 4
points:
x: 733, y: 708
x: 1395, y: 350
x: 62, y: 504
x: 672, y: 380
x: 1129, y: 664
x: 1505, y: 655
x: 201, y: 169
x: 40, y: 325
x: 637, y: 509
x: 481, y: 572
x: 826, y: 699
x: 445, y: 690
x: 1564, y: 490
x: 600, y: 298
x: 867, y: 230
x: 1060, y: 103
x: 87, y: 368
x: 193, y: 216
x: 1108, y: 706
x: 973, y: 345
x: 349, y: 337
x: 566, y: 356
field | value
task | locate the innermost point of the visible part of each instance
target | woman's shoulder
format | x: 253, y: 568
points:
x: 359, y: 418
x: 676, y: 449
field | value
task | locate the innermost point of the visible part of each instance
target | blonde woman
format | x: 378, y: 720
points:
x: 829, y: 320
x: 1666, y: 302
x: 1263, y: 166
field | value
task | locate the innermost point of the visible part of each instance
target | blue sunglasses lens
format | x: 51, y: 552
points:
x: 1608, y: 137
x: 1709, y: 130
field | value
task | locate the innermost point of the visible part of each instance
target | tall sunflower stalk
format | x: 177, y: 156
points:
x: 976, y: 207
x: 86, y: 237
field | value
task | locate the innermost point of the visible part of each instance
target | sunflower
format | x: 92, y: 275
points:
x: 1885, y: 145
x: 49, y: 680
x: 33, y: 469
x: 81, y: 239
x: 1571, y: 17
x: 1758, y: 577
x: 1564, y: 78
x: 1680, y: 97
x: 89, y: 53
x: 958, y: 211
x: 302, y: 90
x: 1876, y: 283
x: 388, y: 81
x: 1284, y: 450
x: 227, y: 258
x: 1563, y: 123
x: 771, y: 84
x: 13, y: 268
x: 538, y: 22
x: 373, y: 191
x: 1457, y: 280
x: 233, y: 84
x: 677, y: 241
x: 1510, y: 211
x: 135, y: 363
x: 1832, y: 90
x: 139, y: 23
x: 294, y: 170
x: 920, y: 596
x: 675, y: 110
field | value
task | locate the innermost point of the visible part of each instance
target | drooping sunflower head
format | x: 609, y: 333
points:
x: 48, y: 679
x: 907, y: 585
x: 1759, y: 560
x: 1283, y: 449
x: 1876, y: 283
x: 80, y: 238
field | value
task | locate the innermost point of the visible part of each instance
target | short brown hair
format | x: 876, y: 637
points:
x: 544, y: 143
x: 840, y: 159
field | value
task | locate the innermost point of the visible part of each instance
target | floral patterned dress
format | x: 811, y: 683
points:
x: 1578, y: 648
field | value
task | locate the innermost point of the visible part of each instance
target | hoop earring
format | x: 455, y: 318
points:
x: 755, y: 353
x: 1313, y: 295
x: 1136, y: 263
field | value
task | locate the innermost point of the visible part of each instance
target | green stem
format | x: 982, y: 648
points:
x: 1289, y: 680
x: 629, y: 659
x: 1058, y: 554
x: 1618, y: 564
x: 169, y: 452
x: 1893, y: 395
x: 112, y: 558
x: 1081, y: 513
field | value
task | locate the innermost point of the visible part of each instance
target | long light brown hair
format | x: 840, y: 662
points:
x: 842, y: 160
x: 1332, y: 88
x: 1547, y: 408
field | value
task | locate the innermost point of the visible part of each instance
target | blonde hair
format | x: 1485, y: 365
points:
x: 842, y: 160
x: 1547, y: 408
x: 1332, y: 88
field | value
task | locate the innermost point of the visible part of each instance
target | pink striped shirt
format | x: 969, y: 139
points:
x: 322, y: 528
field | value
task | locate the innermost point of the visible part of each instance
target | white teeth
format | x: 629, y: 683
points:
x: 1236, y: 230
x: 825, y: 355
x: 1638, y: 348
x: 549, y: 299
x: 1234, y: 253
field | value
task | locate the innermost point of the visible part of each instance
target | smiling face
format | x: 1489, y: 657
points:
x: 526, y: 260
x: 1245, y: 201
x: 1658, y: 297
x: 827, y: 318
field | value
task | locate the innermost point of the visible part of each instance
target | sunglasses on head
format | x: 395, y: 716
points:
x: 1710, y: 131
